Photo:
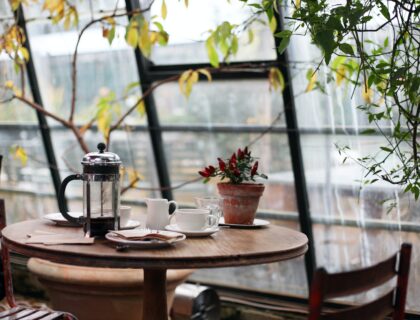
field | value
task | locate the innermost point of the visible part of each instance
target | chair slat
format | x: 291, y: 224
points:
x: 9, y: 312
x: 54, y: 316
x: 374, y: 310
x: 2, y: 215
x: 21, y: 314
x: 39, y: 314
x: 352, y: 282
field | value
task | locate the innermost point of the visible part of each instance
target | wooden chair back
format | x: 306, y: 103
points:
x: 326, y: 286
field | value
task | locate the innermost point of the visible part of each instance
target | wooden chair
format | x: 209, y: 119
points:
x: 326, y: 286
x: 20, y: 312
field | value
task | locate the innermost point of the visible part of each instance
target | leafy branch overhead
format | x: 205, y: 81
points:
x: 369, y: 46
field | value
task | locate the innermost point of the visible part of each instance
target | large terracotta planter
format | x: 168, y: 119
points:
x: 98, y: 293
x: 240, y: 201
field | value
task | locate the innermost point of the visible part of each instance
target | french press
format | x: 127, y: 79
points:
x: 101, y: 193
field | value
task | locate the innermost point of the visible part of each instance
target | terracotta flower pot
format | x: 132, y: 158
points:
x: 240, y: 201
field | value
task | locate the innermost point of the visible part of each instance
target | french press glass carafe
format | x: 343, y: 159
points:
x: 101, y: 192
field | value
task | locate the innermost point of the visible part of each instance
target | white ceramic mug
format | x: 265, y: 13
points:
x: 125, y: 214
x: 194, y: 219
x: 158, y: 213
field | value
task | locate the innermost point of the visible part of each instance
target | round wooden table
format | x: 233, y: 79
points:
x: 226, y: 248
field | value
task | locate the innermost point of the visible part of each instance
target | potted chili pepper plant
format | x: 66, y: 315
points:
x: 241, y: 194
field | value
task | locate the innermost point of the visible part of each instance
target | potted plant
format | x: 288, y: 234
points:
x: 240, y: 193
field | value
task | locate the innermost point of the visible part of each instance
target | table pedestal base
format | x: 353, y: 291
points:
x: 154, y: 303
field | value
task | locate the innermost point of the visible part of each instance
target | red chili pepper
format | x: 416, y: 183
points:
x: 254, y: 168
x: 222, y: 165
x: 236, y: 172
x: 240, y: 154
x: 204, y: 174
x: 233, y: 160
x: 211, y: 170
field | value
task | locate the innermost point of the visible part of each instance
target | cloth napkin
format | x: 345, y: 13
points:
x: 50, y: 238
x: 144, y: 235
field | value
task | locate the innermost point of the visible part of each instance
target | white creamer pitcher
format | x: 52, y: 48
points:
x: 158, y: 213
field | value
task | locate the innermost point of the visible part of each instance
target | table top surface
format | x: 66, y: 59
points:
x: 228, y: 247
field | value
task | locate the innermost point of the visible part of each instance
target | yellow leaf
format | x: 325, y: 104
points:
x: 141, y: 108
x: 103, y: 118
x: 273, y: 24
x: 164, y: 10
x: 206, y: 73
x: 297, y: 3
x: 67, y: 21
x: 341, y: 75
x: 25, y: 53
x: 186, y: 3
x: 110, y: 20
x: 181, y: 81
x: 312, y: 81
x: 20, y: 154
x: 276, y: 79
x: 190, y: 82
x: 367, y: 94
x: 132, y: 37
x: 9, y: 84
x: 144, y: 42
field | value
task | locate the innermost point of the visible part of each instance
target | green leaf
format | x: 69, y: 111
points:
x: 386, y: 149
x: 111, y: 35
x: 212, y: 53
x: 250, y: 35
x: 283, y: 44
x: 234, y: 45
x: 282, y: 34
x: 131, y: 86
x: 325, y: 39
x: 346, y: 48
x: 384, y: 10
x: 368, y: 131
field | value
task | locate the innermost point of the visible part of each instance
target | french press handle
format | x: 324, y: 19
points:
x: 62, y: 199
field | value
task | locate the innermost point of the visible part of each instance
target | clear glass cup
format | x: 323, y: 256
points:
x: 214, y: 204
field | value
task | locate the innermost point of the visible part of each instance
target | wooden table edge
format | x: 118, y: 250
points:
x: 151, y: 263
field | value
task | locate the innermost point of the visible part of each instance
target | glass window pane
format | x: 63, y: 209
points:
x: 102, y: 70
x: 187, y: 153
x: 188, y: 29
x: 243, y: 102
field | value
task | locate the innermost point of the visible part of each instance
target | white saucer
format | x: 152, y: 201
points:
x: 59, y: 220
x: 132, y: 224
x: 192, y: 233
x: 151, y: 244
x: 258, y: 223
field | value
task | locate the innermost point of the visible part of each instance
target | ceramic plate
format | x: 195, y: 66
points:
x: 59, y: 220
x: 192, y: 233
x: 258, y: 223
x: 150, y: 244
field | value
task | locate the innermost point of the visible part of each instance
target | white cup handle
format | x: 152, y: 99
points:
x: 176, y: 209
